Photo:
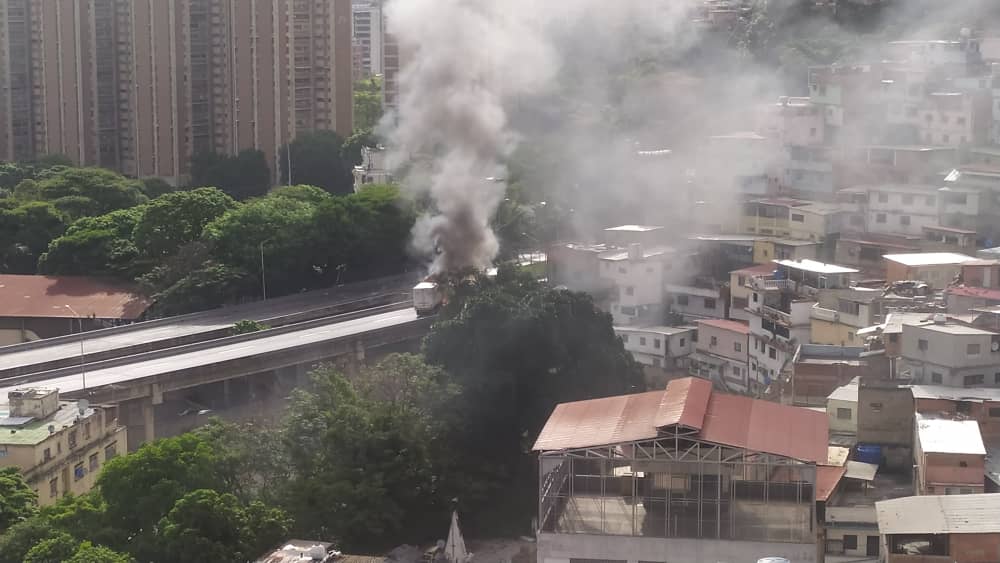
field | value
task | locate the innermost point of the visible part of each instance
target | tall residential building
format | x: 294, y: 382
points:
x: 141, y: 86
x: 367, y: 33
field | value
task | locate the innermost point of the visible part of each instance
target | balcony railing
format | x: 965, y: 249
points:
x: 776, y: 315
x: 770, y: 284
x: 823, y: 314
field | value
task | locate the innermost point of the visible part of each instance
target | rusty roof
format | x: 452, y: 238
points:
x: 725, y: 324
x: 729, y: 420
x: 684, y: 402
x: 60, y: 296
x: 827, y: 478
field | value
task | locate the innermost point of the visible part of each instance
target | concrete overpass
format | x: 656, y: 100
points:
x: 98, y: 345
x: 138, y: 383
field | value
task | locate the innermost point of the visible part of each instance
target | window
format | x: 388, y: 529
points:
x: 682, y: 342
x: 737, y: 347
x: 630, y: 290
x: 996, y: 378
x: 755, y: 298
x: 880, y: 218
x: 848, y: 307
x: 656, y: 343
x: 54, y: 488
x: 798, y: 217
x: 971, y: 380
x: 922, y: 344
x: 625, y: 338
x: 710, y: 303
x: 72, y: 439
x: 904, y: 220
x: 772, y: 353
x: 843, y: 414
x: 714, y: 341
x: 857, y: 220
x: 972, y: 349
x: 935, y: 377
x: 812, y: 131
x: 850, y: 337
x: 883, y: 198
x: 630, y: 311
x: 46, y: 455
x: 893, y: 338
x: 657, y: 362
x: 994, y: 412
x: 963, y: 407
x: 908, y: 199
x: 642, y: 341
x: 681, y: 300
x: 850, y: 541
x: 94, y: 463
x: 876, y: 407
x: 110, y: 451
x: 78, y: 471
x: 86, y: 430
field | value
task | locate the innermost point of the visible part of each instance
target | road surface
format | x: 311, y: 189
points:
x: 234, y: 351
x: 67, y: 348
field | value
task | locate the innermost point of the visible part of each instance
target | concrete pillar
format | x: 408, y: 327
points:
x: 356, y: 358
x: 148, y: 419
x: 226, y: 394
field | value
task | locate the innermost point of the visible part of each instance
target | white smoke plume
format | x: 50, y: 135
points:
x: 464, y: 63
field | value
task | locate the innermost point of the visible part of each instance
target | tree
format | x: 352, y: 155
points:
x: 100, y: 246
x: 193, y: 281
x: 303, y: 192
x: 56, y: 549
x: 364, y: 470
x: 251, y: 459
x: 18, y: 501
x: 90, y: 553
x: 83, y: 516
x: 350, y: 152
x: 247, y: 326
x: 244, y: 176
x: 367, y: 103
x: 90, y: 191
x: 175, y: 219
x: 156, y: 187
x: 205, y: 526
x: 25, y: 233
x: 140, y: 488
x: 519, y: 348
x: 17, y: 541
x: 316, y: 161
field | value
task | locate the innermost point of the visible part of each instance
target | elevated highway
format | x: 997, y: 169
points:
x: 104, y: 344
x: 137, y: 383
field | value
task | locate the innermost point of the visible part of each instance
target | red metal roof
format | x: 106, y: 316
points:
x: 730, y: 420
x: 827, y: 478
x: 684, y: 402
x: 733, y: 326
x: 598, y: 422
x: 54, y: 296
x: 977, y: 292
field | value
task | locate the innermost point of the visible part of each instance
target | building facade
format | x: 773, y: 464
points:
x: 59, y: 446
x: 367, y: 21
x: 141, y: 87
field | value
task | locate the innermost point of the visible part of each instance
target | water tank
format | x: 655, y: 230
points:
x: 869, y: 453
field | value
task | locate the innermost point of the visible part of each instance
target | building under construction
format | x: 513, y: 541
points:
x: 683, y: 474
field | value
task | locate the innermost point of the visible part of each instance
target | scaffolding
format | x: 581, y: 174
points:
x: 677, y: 486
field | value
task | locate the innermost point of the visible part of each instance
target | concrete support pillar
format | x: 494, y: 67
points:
x: 149, y: 420
x: 226, y: 394
x: 356, y: 358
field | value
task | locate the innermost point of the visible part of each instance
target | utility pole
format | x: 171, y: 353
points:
x: 83, y: 369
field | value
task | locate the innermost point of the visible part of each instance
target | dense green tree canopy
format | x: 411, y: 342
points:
x: 175, y: 219
x: 90, y: 553
x: 17, y: 541
x: 92, y: 191
x: 56, y: 549
x: 17, y: 499
x: 316, y: 160
x: 367, y: 103
x: 101, y: 246
x: 243, y: 176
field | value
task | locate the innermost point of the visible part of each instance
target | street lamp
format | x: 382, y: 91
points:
x: 263, y: 277
x: 83, y: 369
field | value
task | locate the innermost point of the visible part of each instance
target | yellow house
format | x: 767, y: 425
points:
x: 791, y: 218
x: 59, y: 446
x: 765, y: 250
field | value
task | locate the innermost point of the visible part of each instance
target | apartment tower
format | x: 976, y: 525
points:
x: 367, y: 22
x: 141, y: 86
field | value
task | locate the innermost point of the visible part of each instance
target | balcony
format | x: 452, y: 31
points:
x: 770, y: 284
x: 776, y: 315
x: 823, y: 314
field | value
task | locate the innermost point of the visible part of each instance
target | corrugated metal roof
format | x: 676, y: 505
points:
x: 970, y: 394
x: 730, y: 420
x: 945, y: 436
x: 940, y: 514
x: 599, y: 422
x: 827, y: 478
x: 48, y: 297
x: 928, y: 258
x: 861, y: 470
x: 684, y: 402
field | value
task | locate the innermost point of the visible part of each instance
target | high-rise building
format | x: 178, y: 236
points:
x: 367, y: 22
x: 141, y: 86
